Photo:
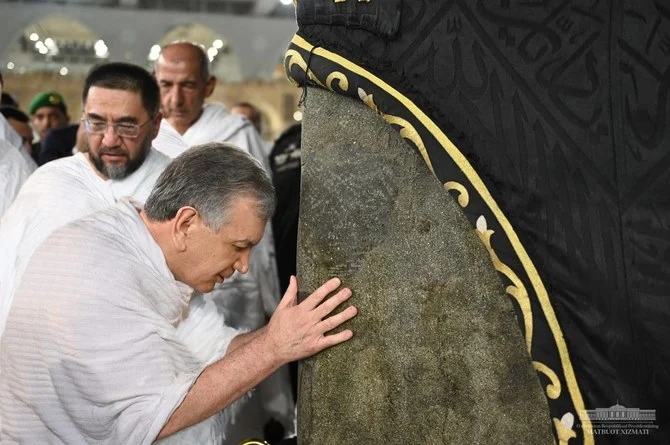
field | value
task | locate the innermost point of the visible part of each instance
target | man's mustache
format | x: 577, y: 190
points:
x: 111, y: 151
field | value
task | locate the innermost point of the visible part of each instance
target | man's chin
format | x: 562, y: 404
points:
x: 116, y: 170
x: 179, y: 121
x: 206, y: 288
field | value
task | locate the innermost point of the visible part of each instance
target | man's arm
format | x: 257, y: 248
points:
x: 294, y: 332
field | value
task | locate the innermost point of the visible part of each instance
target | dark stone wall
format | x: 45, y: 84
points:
x: 437, y: 355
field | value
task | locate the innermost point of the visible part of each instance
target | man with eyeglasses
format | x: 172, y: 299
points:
x: 183, y: 74
x: 121, y: 116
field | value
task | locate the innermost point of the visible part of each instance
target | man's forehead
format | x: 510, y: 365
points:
x: 180, y: 52
x: 177, y: 69
x: 178, y: 58
x: 47, y: 110
x: 102, y: 100
x: 243, y: 207
x: 97, y: 91
x: 11, y: 120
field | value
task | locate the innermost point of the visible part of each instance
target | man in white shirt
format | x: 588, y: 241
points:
x: 247, y: 301
x: 94, y: 354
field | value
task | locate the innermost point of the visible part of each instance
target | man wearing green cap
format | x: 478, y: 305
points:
x: 48, y: 111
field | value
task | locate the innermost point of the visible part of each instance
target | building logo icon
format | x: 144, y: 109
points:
x: 620, y: 420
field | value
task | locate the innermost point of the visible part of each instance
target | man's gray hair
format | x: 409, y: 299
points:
x: 209, y: 178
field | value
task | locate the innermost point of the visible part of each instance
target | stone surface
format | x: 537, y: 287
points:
x: 437, y: 355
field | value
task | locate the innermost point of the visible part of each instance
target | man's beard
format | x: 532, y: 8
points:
x: 118, y: 170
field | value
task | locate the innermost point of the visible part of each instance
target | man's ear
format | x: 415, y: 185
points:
x: 157, y: 124
x: 209, y: 86
x: 182, y: 226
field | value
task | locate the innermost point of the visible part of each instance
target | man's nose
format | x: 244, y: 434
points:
x: 242, y: 263
x: 110, y: 138
x: 176, y: 97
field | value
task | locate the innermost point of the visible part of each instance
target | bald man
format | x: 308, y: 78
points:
x: 183, y: 74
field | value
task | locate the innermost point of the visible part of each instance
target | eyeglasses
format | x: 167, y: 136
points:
x: 123, y: 129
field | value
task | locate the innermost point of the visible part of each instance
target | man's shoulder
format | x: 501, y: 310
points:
x: 61, y: 190
x: 215, y: 109
x: 106, y: 230
x: 61, y: 170
x: 214, y: 112
x: 9, y: 155
x: 216, y: 124
x: 158, y: 160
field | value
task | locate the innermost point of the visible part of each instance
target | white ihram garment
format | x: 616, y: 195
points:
x: 14, y: 171
x: 96, y: 353
x: 8, y: 134
x: 15, y: 164
x: 57, y: 193
x: 216, y: 124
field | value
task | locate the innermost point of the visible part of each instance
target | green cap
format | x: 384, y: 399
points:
x: 47, y: 99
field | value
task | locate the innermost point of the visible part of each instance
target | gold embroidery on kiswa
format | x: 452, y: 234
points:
x: 294, y: 58
x: 368, y: 100
x: 463, y: 195
x: 409, y: 132
x: 517, y: 288
x: 407, y: 129
x: 563, y: 431
x: 553, y: 389
x: 342, y: 81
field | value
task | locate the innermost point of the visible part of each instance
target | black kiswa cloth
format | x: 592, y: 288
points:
x: 379, y: 17
x: 548, y: 121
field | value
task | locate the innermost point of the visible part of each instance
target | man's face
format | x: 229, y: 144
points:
x: 115, y: 156
x: 210, y: 257
x: 46, y: 118
x: 26, y: 133
x: 183, y: 90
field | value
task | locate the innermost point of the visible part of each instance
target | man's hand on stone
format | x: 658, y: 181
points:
x: 297, y: 331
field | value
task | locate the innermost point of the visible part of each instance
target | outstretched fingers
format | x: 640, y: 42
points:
x: 290, y: 297
x: 330, y: 323
x: 320, y: 293
x: 334, y: 339
x: 336, y: 320
x: 333, y: 302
